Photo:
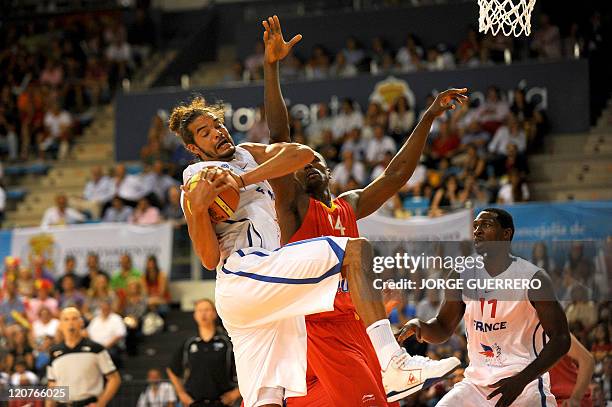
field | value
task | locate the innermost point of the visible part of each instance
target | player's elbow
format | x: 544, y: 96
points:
x: 564, y: 341
x: 299, y: 154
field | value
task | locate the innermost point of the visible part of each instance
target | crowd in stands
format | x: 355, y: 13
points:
x: 54, y: 73
x: 546, y: 43
x: 118, y: 308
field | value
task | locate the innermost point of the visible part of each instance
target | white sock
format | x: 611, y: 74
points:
x: 384, y: 342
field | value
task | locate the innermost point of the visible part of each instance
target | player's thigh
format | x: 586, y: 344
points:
x: 255, y: 287
x: 537, y: 393
x: 464, y: 394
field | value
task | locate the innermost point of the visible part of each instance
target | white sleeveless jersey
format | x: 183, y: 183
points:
x: 503, y: 330
x: 254, y: 223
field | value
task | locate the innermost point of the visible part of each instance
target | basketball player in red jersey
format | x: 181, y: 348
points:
x: 570, y: 383
x: 343, y: 368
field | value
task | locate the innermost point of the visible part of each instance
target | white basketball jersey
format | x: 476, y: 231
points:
x: 503, y: 330
x: 254, y: 222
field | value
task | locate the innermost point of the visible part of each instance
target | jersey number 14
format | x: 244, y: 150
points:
x: 338, y: 226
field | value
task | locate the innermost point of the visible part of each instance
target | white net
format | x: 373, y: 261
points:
x: 511, y: 17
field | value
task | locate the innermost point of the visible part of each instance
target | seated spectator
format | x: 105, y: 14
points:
x: 40, y: 268
x: 371, y: 119
x: 20, y: 349
x: 513, y: 190
x: 514, y: 161
x: 98, y: 191
x: 439, y: 59
x: 315, y: 129
x: 12, y: 304
x: 379, y: 51
x: 173, y: 210
x: 42, y: 300
x: 259, y: 132
x: 145, y: 213
x: 156, y: 285
x: 473, y: 193
x: 118, y: 211
x: 346, y: 169
x: 52, y: 74
x: 378, y: 146
x: 527, y: 115
x: 601, y: 347
x: 93, y: 270
x: 254, y: 62
x: 99, y: 293
x: 157, y: 393
x: 95, y: 81
x: 58, y: 126
x: 469, y: 47
x: 69, y: 270
x: 126, y: 271
x: 129, y: 187
x: 341, y: 68
x: 318, y: 64
x: 401, y: 118
x: 353, y: 52
x: 540, y: 257
x: 329, y: 148
x: 546, y: 42
x: 445, y: 197
x: 446, y: 142
x: 355, y: 143
x: 25, y: 283
x: 154, y: 150
x: 471, y: 163
x: 70, y: 297
x: 133, y: 309
x: 234, y: 74
x: 473, y: 135
x: 511, y: 133
x: 492, y: 113
x: 23, y: 376
x: 108, y: 329
x: 45, y: 324
x: 409, y: 56
x: 348, y: 119
x: 42, y: 356
x: 61, y: 213
x: 158, y: 182
x: 120, y: 59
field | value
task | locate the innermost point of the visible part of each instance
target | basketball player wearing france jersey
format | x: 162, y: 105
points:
x: 514, y: 336
x: 344, y: 368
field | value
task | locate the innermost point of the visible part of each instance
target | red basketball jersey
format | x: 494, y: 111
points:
x: 563, y: 376
x: 339, y: 220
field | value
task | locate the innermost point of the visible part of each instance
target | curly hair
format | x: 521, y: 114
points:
x: 183, y: 115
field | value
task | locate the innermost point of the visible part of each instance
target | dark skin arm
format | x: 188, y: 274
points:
x: 554, y: 323
x: 398, y: 172
x: 442, y: 327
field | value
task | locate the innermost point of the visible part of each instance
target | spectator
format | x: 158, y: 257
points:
x: 318, y: 65
x: 379, y: 51
x: 210, y: 361
x: 315, y: 129
x: 547, y: 39
x: 45, y: 324
x: 157, y: 393
x: 129, y: 187
x: 254, y: 62
x: 428, y: 306
x: 125, y: 272
x: 12, y: 305
x: 108, y: 329
x: 145, y: 213
x: 8, y: 134
x: 259, y: 132
x: 528, y: 116
x: 378, y: 146
x: 508, y: 134
x: 118, y: 211
x: 156, y: 285
x: 349, y: 118
x: 401, y: 117
x: 514, y: 190
x: 493, y: 112
x: 99, y: 293
x: 446, y: 142
x: 23, y: 376
x: 42, y: 300
x: 82, y: 365
x: 445, y: 197
x: 158, y: 182
x: 173, y: 210
x: 439, y: 61
x: 20, y: 349
x: 61, y: 213
x: 353, y: 52
x: 133, y: 310
x: 69, y: 270
x: 341, y: 67
x: 120, y: 59
x: 540, y: 257
x: 373, y: 118
x: 98, y: 191
x: 408, y: 56
x: 473, y: 135
x: 469, y: 47
x: 292, y: 68
x: 348, y: 168
x: 472, y: 193
x: 40, y: 268
x: 58, y: 124
x: 93, y: 271
x: 95, y: 80
x: 70, y: 297
x: 472, y: 164
x: 42, y: 357
x: 355, y: 143
x: 25, y: 283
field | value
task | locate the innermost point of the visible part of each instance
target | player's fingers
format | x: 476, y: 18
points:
x: 295, y: 40
x: 417, y: 334
x: 494, y: 393
x: 272, y: 25
x: 265, y: 37
x: 497, y: 383
x: 405, y: 333
x: 277, y: 23
x: 266, y: 25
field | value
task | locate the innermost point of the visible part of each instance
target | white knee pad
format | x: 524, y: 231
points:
x: 270, y: 395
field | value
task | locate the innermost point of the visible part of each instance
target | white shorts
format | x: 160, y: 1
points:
x: 467, y: 394
x: 262, y: 297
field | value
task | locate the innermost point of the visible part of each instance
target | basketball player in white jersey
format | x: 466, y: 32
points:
x: 263, y: 291
x: 514, y: 336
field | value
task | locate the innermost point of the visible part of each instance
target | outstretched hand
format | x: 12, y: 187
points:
x: 446, y: 101
x: 276, y: 46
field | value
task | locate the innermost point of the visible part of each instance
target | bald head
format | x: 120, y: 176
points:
x: 71, y: 324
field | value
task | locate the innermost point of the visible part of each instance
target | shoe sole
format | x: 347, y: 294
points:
x: 396, y: 396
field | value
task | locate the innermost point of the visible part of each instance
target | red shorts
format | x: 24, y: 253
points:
x: 343, y: 370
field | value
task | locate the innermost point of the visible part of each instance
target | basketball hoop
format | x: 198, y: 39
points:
x: 511, y: 17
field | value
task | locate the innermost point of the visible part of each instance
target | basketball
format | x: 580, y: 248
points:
x: 225, y: 203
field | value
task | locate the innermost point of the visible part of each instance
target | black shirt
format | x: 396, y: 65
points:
x: 207, y: 368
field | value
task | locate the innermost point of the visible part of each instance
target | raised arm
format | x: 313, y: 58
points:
x: 276, y: 49
x: 442, y: 327
x: 401, y: 167
x: 275, y: 160
x: 554, y: 323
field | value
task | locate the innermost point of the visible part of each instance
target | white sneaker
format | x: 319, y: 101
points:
x: 407, y: 374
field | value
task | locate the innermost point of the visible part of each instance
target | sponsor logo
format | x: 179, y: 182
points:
x: 493, y: 354
x: 367, y: 397
x: 487, y: 351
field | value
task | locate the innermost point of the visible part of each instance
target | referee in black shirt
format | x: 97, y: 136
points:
x: 202, y: 368
x: 81, y: 365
